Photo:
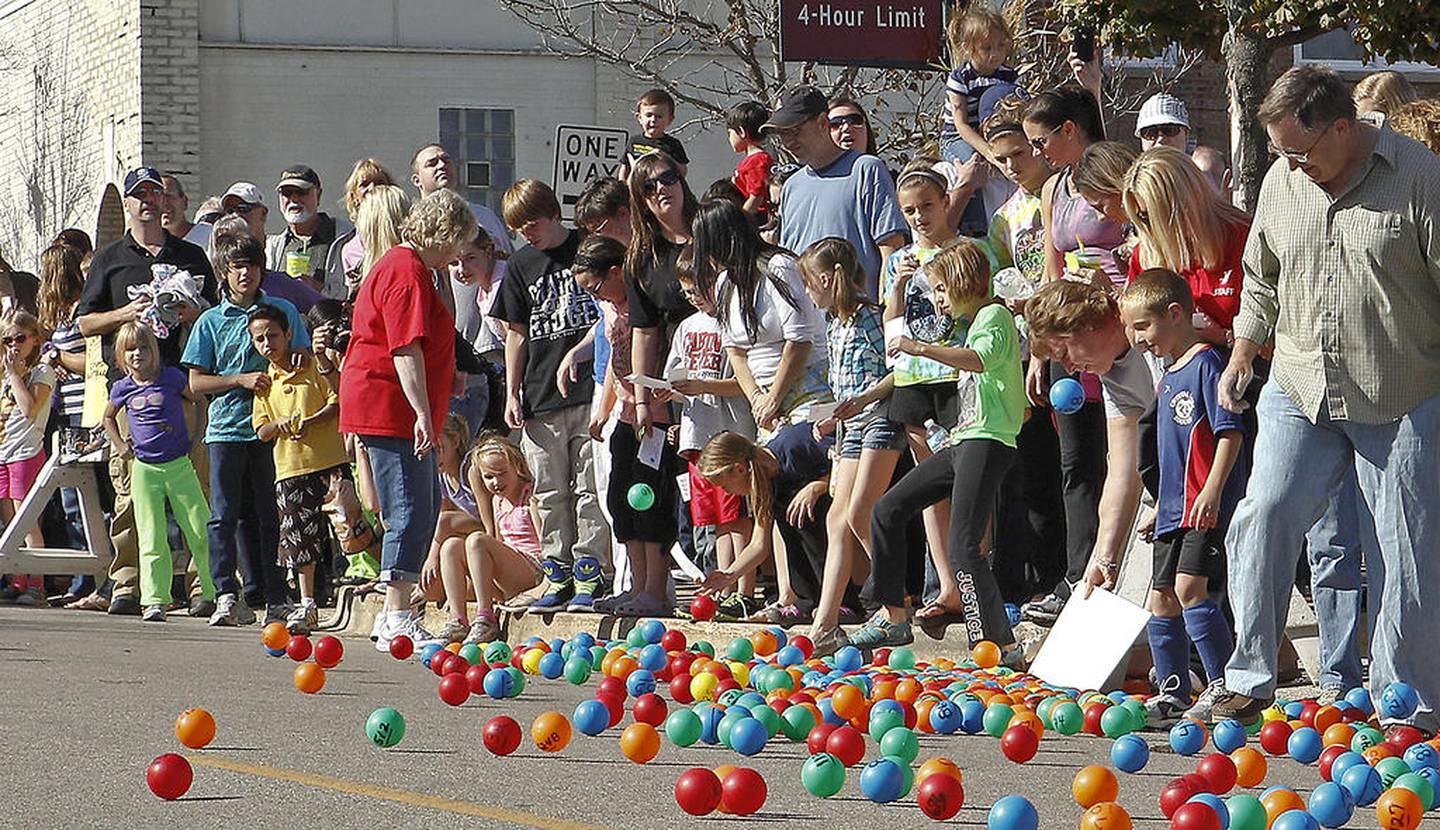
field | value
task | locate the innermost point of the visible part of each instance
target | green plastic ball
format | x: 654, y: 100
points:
x: 641, y: 496
x: 1390, y: 769
x: 769, y: 717
x: 997, y: 719
x: 705, y: 647
x: 882, y: 723
x: 1117, y: 721
x: 909, y: 772
x: 597, y: 657
x: 900, y: 743
x: 1068, y: 717
x: 577, y: 670
x: 498, y: 652
x: 1246, y: 812
x: 798, y: 721
x: 472, y: 654
x: 1419, y: 785
x: 385, y: 727
x: 822, y: 774
x: 902, y: 658
x: 683, y: 727
x: 740, y: 649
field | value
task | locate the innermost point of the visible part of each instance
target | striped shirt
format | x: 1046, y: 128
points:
x: 71, y: 394
x: 1350, y: 285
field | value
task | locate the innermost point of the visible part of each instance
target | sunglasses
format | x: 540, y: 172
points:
x: 854, y: 119
x: 1039, y: 142
x: 14, y: 339
x: 593, y: 289
x: 666, y: 179
x: 241, y: 208
x: 1167, y: 130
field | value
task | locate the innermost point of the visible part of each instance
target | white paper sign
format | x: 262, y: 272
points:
x: 651, y: 447
x: 1089, y: 640
x: 820, y: 411
x: 648, y: 382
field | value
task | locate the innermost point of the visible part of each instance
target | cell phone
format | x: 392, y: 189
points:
x: 1084, y: 45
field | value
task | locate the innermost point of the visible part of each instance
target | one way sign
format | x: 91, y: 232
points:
x: 582, y: 155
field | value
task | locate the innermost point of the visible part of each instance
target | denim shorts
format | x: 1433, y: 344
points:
x: 870, y: 432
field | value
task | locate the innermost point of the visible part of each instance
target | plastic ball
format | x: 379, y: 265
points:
x: 1130, y: 753
x: 703, y: 608
x: 1116, y: 721
x: 299, y: 648
x: 1175, y: 793
x: 1390, y: 769
x: 1094, y: 785
x: 882, y: 780
x: 939, y: 766
x: 902, y: 658
x: 997, y: 719
x: 1220, y: 771
x: 822, y: 774
x: 1106, y: 816
x: 640, y: 496
x: 848, y: 659
x: 748, y: 736
x: 742, y: 792
x: 1187, y: 737
x: 385, y: 727
x: 1012, y: 812
x: 640, y: 743
x: 275, y: 636
x: 329, y: 651
x: 550, y: 731
x: 309, y: 678
x: 1363, y: 783
x: 1250, y: 766
x: 985, y: 654
x: 797, y: 722
x: 169, y: 776
x: 591, y: 717
x: 454, y: 689
x: 1195, y: 815
x: 1422, y: 755
x: 1019, y: 743
x: 682, y: 727
x: 1067, y: 396
x: 847, y: 744
x: 698, y: 791
x: 1419, y: 785
x: 1275, y: 737
x: 1399, y: 808
x: 402, y: 647
x: 1228, y: 735
x: 1297, y: 819
x: 1214, y: 803
x: 1330, y: 804
x: 940, y: 796
x: 1068, y: 718
x: 1246, y: 812
x: 1304, y: 745
x: 501, y: 735
x: 1398, y: 701
x: 195, y: 728
x: 1280, y: 800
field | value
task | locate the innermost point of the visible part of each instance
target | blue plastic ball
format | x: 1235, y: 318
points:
x: 1187, y: 737
x: 1422, y: 755
x: 274, y: 652
x: 1228, y: 735
x: 583, y: 640
x: 1067, y: 396
x: 640, y: 682
x: 1013, y: 812
x: 1364, y: 784
x: 429, y: 651
x: 1295, y: 820
x: 652, y: 630
x: 827, y: 713
x: 882, y: 780
x: 848, y: 659
x: 1331, y: 804
x: 500, y: 684
x: 972, y: 717
x: 789, y: 656
x: 1305, y: 745
x: 591, y: 717
x: 1359, y: 697
x: 748, y: 736
x: 552, y: 665
x: 1343, y: 762
x: 945, y: 717
x: 710, y: 725
x: 1293, y: 709
x: 1130, y: 753
x: 652, y: 658
x: 1399, y: 701
x: 1214, y: 803
x: 1012, y: 613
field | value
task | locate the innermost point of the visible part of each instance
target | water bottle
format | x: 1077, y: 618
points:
x: 936, y: 436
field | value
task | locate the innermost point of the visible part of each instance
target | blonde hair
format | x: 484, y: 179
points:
x: 726, y: 449
x: 528, y: 200
x: 967, y: 30
x: 837, y: 257
x: 1182, y: 220
x: 1419, y: 120
x: 365, y: 170
x: 458, y: 427
x: 1102, y: 168
x: 61, y: 281
x: 961, y: 270
x: 1154, y: 290
x: 1388, y: 89
x: 378, y: 222
x: 26, y: 322
x: 133, y: 334
x: 493, y: 444
x: 441, y: 221
x: 1066, y: 307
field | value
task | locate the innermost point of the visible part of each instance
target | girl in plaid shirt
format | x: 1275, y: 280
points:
x: 868, y: 444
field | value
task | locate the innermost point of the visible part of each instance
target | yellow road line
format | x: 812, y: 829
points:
x: 434, y: 802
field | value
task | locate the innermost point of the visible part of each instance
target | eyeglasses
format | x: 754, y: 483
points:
x: 14, y: 339
x: 1301, y: 157
x: 1039, y: 142
x: 241, y: 208
x: 854, y: 119
x: 593, y: 289
x: 1154, y: 133
x: 666, y: 179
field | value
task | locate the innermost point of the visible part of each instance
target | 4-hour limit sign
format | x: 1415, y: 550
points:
x: 890, y: 33
x: 582, y: 155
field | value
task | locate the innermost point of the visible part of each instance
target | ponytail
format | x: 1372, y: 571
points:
x: 724, y: 451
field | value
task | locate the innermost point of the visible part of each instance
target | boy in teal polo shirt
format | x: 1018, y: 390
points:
x: 225, y: 366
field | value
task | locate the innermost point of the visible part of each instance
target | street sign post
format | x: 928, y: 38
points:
x: 582, y: 155
x: 883, y: 33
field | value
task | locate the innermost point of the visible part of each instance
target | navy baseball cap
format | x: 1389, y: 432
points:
x: 139, y: 176
x: 796, y: 107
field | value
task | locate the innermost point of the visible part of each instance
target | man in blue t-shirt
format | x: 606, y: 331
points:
x: 838, y: 192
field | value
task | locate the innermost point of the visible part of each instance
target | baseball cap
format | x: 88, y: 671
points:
x: 1160, y: 109
x: 795, y: 107
x: 139, y: 176
x: 243, y: 192
x: 298, y: 175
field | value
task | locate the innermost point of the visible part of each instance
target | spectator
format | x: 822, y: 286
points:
x: 309, y: 247
x: 77, y: 239
x: 1419, y: 120
x: 838, y: 192
x: 1215, y: 166
x: 378, y: 225
x: 744, y: 126
x: 399, y: 371
x: 604, y: 208
x: 655, y: 112
x: 367, y: 174
x: 1164, y: 121
x: 1356, y: 378
x: 28, y: 385
x: 850, y: 127
x: 723, y: 189
x: 1099, y: 178
x: 104, y: 305
x: 245, y: 200
x: 1016, y: 236
x: 174, y: 215
x: 1383, y: 92
x: 274, y: 283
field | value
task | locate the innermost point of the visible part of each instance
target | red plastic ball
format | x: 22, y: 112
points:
x: 698, y: 791
x: 1327, y: 758
x: 501, y: 735
x: 454, y: 689
x: 299, y: 648
x: 1275, y: 737
x: 1093, y: 713
x: 805, y: 644
x: 847, y: 744
x: 169, y: 776
x: 402, y: 647
x: 329, y: 651
x: 1019, y: 743
x: 1403, y: 736
x: 1195, y: 815
x: 615, y: 706
x: 1218, y: 771
x: 650, y: 708
x: 680, y: 689
x: 816, y: 740
x: 743, y: 792
x: 940, y: 796
x: 440, y: 660
x: 703, y: 607
x: 673, y: 640
x: 1174, y: 794
x: 1307, y: 713
x: 475, y: 676
x: 611, y: 686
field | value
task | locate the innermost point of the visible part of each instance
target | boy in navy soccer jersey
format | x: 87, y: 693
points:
x: 1199, y: 445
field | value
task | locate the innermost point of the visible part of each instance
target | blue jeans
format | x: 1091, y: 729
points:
x: 1298, y: 464
x: 409, y: 492
x: 1336, y: 544
x: 244, y: 524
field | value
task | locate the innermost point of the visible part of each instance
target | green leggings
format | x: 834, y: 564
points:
x: 150, y: 486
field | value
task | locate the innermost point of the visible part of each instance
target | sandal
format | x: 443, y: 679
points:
x: 936, y: 612
x: 641, y: 605
x: 93, y: 602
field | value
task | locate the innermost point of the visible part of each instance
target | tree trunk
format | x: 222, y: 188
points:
x: 1247, y: 53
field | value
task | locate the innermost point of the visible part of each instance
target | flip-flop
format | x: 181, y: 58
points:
x: 92, y: 602
x: 936, y: 611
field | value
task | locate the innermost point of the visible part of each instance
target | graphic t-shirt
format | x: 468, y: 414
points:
x: 156, y: 414
x: 540, y: 292
x: 1189, y: 421
x: 641, y: 145
x: 995, y: 409
x: 923, y: 322
x: 1017, y: 237
x: 697, y: 349
x: 22, y: 436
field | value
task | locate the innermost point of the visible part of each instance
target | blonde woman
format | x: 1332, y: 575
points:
x: 1419, y: 120
x: 1185, y: 225
x: 367, y: 175
x: 1382, y: 92
x: 377, y: 226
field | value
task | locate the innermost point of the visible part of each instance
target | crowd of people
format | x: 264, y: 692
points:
x: 826, y: 384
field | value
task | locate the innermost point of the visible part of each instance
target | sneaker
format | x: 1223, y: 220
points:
x: 404, y: 623
x: 733, y: 608
x: 606, y: 605
x: 9, y: 593
x: 1329, y: 695
x: 243, y: 613
x: 31, y: 598
x: 153, y: 613
x: 125, y: 605
x: 226, y: 610
x: 560, y: 588
x: 279, y: 612
x: 1205, y: 704
x: 454, y: 631
x: 829, y: 641
x: 303, y: 619
x: 879, y: 631
x: 587, y: 583
x: 375, y: 626
x: 200, y: 607
x: 483, y: 630
x: 1163, y: 711
x: 1240, y: 707
x: 1043, y: 611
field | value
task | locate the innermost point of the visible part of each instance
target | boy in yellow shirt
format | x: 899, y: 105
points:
x: 299, y: 413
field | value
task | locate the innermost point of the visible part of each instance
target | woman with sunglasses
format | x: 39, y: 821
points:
x: 850, y: 127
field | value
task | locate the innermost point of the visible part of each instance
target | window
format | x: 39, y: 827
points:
x: 1337, y: 49
x: 482, y: 142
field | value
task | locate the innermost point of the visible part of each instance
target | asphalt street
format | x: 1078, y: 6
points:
x: 88, y: 700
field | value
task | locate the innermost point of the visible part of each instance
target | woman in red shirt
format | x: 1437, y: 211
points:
x: 395, y: 388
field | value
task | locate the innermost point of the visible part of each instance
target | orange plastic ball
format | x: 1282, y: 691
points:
x: 624, y: 667
x: 942, y: 766
x: 922, y: 716
x: 1399, y: 809
x: 640, y: 742
x: 848, y: 702
x: 884, y: 690
x: 275, y: 636
x: 309, y: 678
x: 764, y: 643
x: 1325, y: 717
x: 907, y: 690
x: 1375, y: 754
x: 550, y: 731
x: 1250, y: 767
x: 453, y: 648
x: 1338, y: 734
x: 195, y: 728
x: 1106, y: 815
x: 1093, y: 785
x: 722, y: 772
x: 1280, y: 801
x: 985, y: 654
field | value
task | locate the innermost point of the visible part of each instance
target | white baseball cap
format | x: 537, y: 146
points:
x: 244, y: 192
x: 1160, y: 109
